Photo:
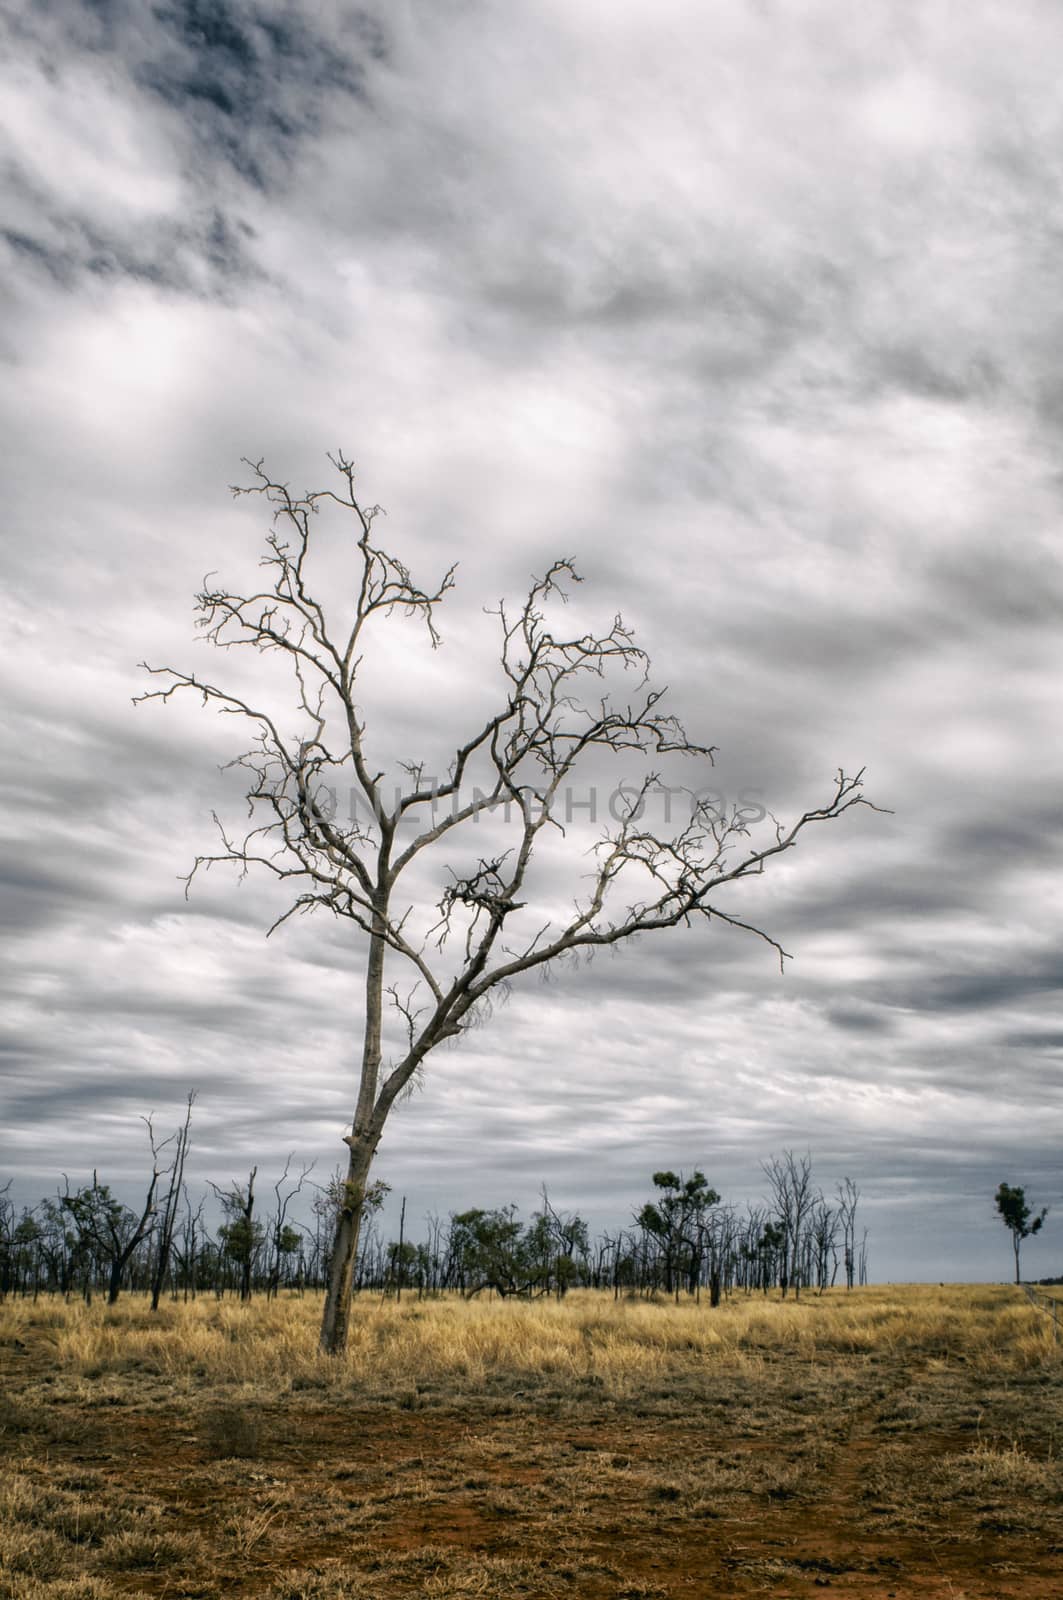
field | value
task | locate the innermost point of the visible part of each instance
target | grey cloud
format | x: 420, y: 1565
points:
x: 32, y: 896
x: 911, y: 367
x: 999, y: 587
x: 1033, y: 1039
x: 166, y: 255
x: 96, y: 1094
x: 1024, y: 829
x: 220, y: 65
x: 777, y: 364
x: 988, y: 990
x: 245, y: 86
x: 860, y: 1020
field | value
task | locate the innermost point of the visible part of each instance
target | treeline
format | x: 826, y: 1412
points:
x: 685, y: 1240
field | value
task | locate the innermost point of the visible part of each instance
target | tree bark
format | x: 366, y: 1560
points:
x: 361, y: 1143
x: 169, y: 1216
x: 247, y: 1215
x: 335, y: 1322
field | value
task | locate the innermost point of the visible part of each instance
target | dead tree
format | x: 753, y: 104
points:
x: 848, y: 1200
x: 168, y: 1215
x: 790, y: 1180
x: 186, y: 1254
x: 7, y: 1241
x: 561, y: 705
x: 284, y: 1239
x: 568, y: 1236
x: 108, y: 1231
x: 824, y: 1239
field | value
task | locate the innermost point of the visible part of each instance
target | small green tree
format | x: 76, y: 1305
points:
x: 492, y: 1250
x: 677, y: 1220
x: 1018, y: 1218
x: 27, y: 1246
x: 771, y: 1248
x: 240, y: 1235
x: 60, y: 1244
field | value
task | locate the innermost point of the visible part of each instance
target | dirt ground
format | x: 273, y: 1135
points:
x: 872, y: 1476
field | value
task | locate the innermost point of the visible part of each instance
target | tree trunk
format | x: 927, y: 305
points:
x: 169, y: 1215
x: 1015, y: 1245
x: 361, y: 1142
x: 337, y: 1315
x: 247, y: 1215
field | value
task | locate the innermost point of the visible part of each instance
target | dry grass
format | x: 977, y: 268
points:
x: 621, y: 1345
x: 597, y: 1447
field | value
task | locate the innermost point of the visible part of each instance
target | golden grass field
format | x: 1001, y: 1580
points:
x: 889, y: 1442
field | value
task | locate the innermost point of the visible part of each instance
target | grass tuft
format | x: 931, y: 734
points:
x: 232, y: 1433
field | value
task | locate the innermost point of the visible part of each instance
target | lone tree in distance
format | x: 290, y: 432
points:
x: 1018, y: 1218
x: 478, y: 928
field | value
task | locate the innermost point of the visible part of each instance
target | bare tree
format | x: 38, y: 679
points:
x: 848, y: 1200
x: 7, y: 1240
x: 284, y: 1239
x: 435, y: 1250
x: 187, y: 1252
x: 168, y: 1215
x: 559, y: 708
x: 568, y: 1237
x: 790, y: 1180
x: 824, y: 1237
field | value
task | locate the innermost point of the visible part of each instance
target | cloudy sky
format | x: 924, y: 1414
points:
x: 753, y: 308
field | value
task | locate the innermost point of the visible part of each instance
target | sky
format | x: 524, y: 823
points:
x: 750, y: 308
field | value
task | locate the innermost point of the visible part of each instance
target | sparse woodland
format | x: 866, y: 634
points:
x: 252, y: 1238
